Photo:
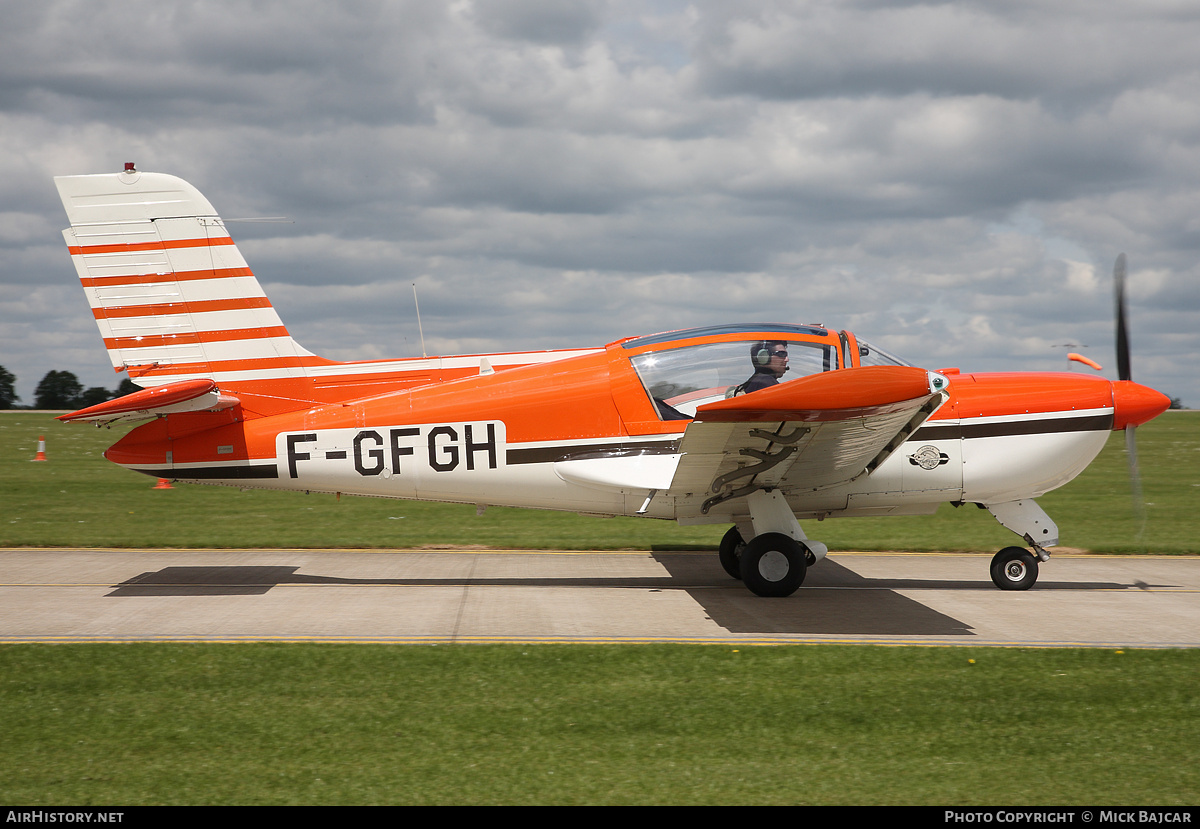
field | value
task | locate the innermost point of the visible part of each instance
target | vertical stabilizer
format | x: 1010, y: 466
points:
x: 171, y: 294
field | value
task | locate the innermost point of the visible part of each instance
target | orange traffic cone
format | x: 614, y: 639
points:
x: 163, y: 483
x: 41, y: 453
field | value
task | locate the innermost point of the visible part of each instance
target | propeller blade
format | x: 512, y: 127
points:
x: 1123, y: 371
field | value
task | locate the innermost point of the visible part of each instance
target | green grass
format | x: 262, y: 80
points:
x: 331, y: 724
x: 133, y: 724
x: 79, y: 499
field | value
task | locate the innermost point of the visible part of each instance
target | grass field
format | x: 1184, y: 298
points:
x: 481, y: 724
x: 79, y: 499
x: 147, y: 723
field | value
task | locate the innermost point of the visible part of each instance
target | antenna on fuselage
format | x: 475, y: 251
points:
x: 419, y: 328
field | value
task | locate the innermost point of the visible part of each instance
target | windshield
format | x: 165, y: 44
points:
x: 870, y: 355
x: 679, y: 380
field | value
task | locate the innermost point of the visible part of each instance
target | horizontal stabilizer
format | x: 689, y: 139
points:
x: 171, y: 398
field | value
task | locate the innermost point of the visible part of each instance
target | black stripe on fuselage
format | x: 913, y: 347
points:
x: 215, y: 472
x: 540, y: 454
x: 590, y: 451
x: 1034, y: 426
x: 1006, y: 428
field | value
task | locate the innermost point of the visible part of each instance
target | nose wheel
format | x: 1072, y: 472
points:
x: 1014, y: 568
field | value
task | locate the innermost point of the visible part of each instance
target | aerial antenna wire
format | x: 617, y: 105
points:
x: 419, y: 328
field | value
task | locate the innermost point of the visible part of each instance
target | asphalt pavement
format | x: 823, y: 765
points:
x: 478, y: 596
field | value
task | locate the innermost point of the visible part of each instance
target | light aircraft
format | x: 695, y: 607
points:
x: 754, y: 425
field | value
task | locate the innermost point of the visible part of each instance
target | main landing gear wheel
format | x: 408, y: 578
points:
x: 773, y: 565
x: 730, y: 552
x: 1014, y: 568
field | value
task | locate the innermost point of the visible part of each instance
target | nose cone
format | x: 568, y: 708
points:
x: 1135, y: 404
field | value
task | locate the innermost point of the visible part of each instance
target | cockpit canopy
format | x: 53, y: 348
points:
x: 682, y: 374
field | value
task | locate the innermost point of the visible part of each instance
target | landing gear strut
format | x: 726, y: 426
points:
x: 1014, y: 568
x: 773, y: 562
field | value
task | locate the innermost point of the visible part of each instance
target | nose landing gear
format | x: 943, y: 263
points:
x: 1014, y: 568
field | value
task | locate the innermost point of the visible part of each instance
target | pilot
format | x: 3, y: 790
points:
x: 770, y: 361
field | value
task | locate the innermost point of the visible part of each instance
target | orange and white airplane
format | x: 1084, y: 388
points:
x: 755, y: 425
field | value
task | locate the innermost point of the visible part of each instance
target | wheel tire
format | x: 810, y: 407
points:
x: 730, y: 552
x: 1014, y: 568
x: 773, y: 565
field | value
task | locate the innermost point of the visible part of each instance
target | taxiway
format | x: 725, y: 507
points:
x: 475, y: 596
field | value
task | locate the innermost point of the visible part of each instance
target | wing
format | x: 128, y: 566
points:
x: 806, y: 435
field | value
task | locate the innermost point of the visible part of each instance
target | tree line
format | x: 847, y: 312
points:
x: 60, y: 390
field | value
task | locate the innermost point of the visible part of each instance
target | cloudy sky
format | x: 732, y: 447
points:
x: 950, y: 180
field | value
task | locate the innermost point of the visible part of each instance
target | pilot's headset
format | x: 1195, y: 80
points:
x: 760, y: 353
x: 760, y: 356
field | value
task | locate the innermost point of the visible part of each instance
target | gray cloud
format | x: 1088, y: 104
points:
x: 952, y: 180
x: 564, y: 23
x: 1072, y: 54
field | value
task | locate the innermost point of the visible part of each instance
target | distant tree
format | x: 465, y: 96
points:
x: 94, y: 395
x: 126, y: 386
x: 58, y: 390
x: 1176, y: 402
x: 8, y: 395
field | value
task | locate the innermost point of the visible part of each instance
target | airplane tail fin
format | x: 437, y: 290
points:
x: 171, y: 294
